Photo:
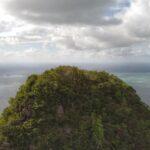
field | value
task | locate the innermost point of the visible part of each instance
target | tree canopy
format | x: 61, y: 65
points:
x: 71, y: 109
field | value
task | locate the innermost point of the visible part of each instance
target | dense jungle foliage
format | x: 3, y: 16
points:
x: 71, y: 109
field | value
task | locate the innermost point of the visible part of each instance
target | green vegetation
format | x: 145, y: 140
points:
x: 71, y: 109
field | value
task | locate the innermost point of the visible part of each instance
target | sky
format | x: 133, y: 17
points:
x: 74, y: 31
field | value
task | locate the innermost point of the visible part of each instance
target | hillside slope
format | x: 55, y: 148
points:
x: 71, y: 109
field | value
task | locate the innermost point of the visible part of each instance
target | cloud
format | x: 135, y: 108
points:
x: 75, y: 30
x: 41, y: 55
x: 137, y: 19
x: 86, y: 12
x: 45, y: 56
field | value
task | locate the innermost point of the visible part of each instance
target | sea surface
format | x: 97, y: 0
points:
x: 140, y: 82
x: 11, y: 77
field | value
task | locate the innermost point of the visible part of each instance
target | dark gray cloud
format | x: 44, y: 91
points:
x: 87, y: 12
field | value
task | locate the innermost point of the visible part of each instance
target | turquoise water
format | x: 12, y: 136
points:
x: 11, y: 79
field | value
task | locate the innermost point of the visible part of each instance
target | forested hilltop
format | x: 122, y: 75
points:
x: 71, y: 109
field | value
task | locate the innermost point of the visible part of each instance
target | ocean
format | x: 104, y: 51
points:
x: 11, y: 77
x: 140, y: 82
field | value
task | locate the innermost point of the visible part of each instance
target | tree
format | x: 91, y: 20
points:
x: 71, y: 109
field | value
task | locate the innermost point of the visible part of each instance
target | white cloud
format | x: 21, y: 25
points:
x: 45, y: 56
x: 137, y: 19
x: 73, y: 32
